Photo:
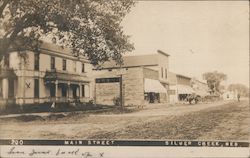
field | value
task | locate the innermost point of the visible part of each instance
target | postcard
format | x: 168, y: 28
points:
x: 124, y: 78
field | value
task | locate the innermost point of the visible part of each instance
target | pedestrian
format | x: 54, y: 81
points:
x: 238, y: 96
x: 53, y: 107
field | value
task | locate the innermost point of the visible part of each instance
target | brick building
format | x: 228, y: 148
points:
x: 140, y: 80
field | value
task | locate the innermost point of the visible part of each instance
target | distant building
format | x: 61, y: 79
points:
x: 200, y: 88
x: 229, y: 95
x: 51, y: 74
x: 180, y: 87
x: 143, y: 79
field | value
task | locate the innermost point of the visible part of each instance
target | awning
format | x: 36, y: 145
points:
x: 201, y: 93
x: 184, y: 89
x: 155, y: 86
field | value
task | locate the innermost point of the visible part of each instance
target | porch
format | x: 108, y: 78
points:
x: 62, y: 87
x: 7, y: 87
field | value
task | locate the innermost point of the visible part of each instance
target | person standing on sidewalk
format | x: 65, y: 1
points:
x: 238, y: 96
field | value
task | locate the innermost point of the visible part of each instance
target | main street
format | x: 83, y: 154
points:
x: 224, y: 120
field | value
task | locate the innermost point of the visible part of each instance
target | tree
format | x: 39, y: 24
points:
x: 89, y: 27
x: 240, y: 88
x: 214, y: 79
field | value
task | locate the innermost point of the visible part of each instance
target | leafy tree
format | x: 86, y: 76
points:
x: 240, y: 88
x: 90, y: 27
x: 214, y: 79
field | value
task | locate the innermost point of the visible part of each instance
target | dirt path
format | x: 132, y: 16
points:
x: 175, y: 122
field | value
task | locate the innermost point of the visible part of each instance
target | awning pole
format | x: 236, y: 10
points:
x: 121, y: 99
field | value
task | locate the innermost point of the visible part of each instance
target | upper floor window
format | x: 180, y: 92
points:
x: 166, y: 73
x: 52, y: 63
x: 7, y: 60
x: 74, y: 66
x: 83, y: 67
x: 36, y: 62
x: 64, y: 64
x: 161, y: 72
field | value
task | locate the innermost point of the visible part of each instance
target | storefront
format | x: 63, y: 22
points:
x: 184, y: 91
x: 153, y: 90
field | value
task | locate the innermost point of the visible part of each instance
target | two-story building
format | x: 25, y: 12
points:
x: 52, y: 74
x: 180, y: 87
x: 139, y: 80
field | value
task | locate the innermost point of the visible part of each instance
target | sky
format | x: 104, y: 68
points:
x: 199, y: 36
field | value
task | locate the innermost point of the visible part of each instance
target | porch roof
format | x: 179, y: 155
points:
x: 7, y: 73
x: 53, y: 76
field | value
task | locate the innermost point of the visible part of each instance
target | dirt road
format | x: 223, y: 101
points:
x: 220, y: 121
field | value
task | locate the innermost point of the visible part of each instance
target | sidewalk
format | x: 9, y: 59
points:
x: 154, y: 109
x: 42, y: 114
x: 45, y: 114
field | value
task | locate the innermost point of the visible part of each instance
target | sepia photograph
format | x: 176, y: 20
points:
x: 123, y: 73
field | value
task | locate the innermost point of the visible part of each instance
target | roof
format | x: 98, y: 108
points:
x: 179, y: 75
x: 202, y: 82
x: 50, y: 47
x: 159, y: 51
x: 56, y: 48
x: 133, y: 61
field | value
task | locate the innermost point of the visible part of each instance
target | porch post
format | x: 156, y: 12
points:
x: 68, y: 94
x: 5, y: 84
x: 56, y: 90
x: 80, y: 90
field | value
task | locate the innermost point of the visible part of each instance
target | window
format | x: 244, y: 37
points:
x: 166, y: 73
x: 64, y: 91
x: 107, y: 80
x: 7, y: 60
x: 83, y: 67
x: 52, y: 90
x: 74, y: 66
x: 36, y: 62
x: 36, y: 88
x: 52, y: 63
x: 161, y: 72
x: 64, y: 64
x: 83, y: 90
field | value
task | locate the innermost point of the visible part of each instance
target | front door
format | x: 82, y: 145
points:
x: 11, y: 88
x: 74, y: 89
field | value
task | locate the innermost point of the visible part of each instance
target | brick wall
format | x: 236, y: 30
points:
x: 133, y: 86
x: 105, y: 92
x: 149, y: 73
